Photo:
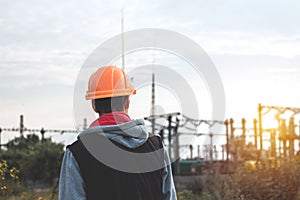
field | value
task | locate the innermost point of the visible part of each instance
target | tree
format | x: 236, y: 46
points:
x: 37, y: 160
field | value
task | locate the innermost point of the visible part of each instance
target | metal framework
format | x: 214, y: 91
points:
x: 263, y: 110
x: 21, y: 129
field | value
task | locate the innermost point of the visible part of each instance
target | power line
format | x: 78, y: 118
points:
x: 42, y: 131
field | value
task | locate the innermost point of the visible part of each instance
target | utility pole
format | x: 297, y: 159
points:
x: 21, y: 126
x: 291, y: 136
x: 84, y: 123
x: 227, y: 139
x: 255, y: 133
x: 232, y: 139
x: 43, y: 134
x: 277, y: 117
x: 191, y: 151
x: 243, y: 132
x: 211, y: 147
x: 283, y: 135
x: 176, y: 153
x: 273, y: 142
x: 215, y: 152
x: 260, y: 127
x: 170, y: 135
x: 223, y: 150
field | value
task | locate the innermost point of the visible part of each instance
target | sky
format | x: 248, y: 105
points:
x: 254, y: 45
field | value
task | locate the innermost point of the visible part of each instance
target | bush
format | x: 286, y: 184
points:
x: 265, y: 182
x: 269, y: 183
x: 38, y: 161
x: 8, y: 179
x: 186, y: 195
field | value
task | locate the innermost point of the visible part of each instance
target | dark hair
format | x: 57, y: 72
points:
x: 108, y: 105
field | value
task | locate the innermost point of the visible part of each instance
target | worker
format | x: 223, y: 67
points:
x: 84, y: 177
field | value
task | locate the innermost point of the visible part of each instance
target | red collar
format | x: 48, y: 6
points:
x: 113, y: 118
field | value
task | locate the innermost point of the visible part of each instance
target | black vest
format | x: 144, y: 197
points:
x: 103, y: 182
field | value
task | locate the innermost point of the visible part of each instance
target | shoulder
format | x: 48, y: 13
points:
x: 76, y: 143
x: 156, y: 139
x: 77, y: 149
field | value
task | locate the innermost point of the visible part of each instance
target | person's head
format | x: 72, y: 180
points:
x: 108, y: 105
x: 109, y: 89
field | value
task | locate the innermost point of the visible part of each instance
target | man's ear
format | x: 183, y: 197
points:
x: 126, y: 104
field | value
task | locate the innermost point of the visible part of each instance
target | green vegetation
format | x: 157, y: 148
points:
x: 8, y: 178
x: 281, y: 182
x: 29, y: 170
x: 33, y: 195
x: 29, y: 163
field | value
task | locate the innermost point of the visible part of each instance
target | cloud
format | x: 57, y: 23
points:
x: 255, y: 44
x: 21, y: 67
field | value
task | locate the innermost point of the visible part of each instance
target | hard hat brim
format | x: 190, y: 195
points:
x: 109, y: 94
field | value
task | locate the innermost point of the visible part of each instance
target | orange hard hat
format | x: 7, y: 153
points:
x: 109, y: 81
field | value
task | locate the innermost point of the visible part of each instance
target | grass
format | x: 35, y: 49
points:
x: 33, y: 195
x: 265, y: 182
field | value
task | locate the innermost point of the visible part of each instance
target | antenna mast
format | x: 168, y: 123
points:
x: 122, y: 22
x: 153, y: 95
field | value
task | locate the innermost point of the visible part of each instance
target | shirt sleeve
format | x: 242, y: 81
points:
x: 169, y: 191
x: 71, y: 184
